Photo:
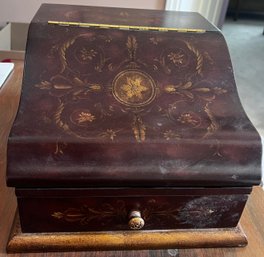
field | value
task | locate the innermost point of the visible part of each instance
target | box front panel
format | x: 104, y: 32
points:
x: 113, y: 107
x: 111, y: 212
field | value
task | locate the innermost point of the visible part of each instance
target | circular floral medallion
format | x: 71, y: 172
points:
x: 134, y: 88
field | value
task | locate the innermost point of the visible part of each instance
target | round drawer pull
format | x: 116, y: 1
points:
x: 135, y: 220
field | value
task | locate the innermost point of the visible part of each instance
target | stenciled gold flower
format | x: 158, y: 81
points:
x: 85, y: 116
x: 219, y: 90
x: 87, y: 54
x: 187, y: 118
x: 169, y: 134
x: 57, y: 215
x: 134, y: 87
x: 176, y: 58
x: 109, y: 133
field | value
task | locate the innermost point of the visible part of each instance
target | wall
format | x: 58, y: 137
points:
x: 213, y: 10
x: 24, y: 10
x: 247, y: 5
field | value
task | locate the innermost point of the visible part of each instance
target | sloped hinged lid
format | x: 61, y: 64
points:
x: 107, y: 105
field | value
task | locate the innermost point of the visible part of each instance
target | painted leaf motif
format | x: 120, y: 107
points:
x: 188, y: 94
x: 44, y: 85
x: 62, y: 86
x: 187, y: 85
x: 202, y: 89
x: 78, y: 82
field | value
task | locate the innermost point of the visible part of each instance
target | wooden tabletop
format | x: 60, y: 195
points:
x: 252, y: 220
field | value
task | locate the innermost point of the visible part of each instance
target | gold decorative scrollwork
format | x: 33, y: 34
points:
x: 85, y: 214
x: 83, y: 55
x: 62, y: 53
x: 199, y: 56
x: 179, y: 57
x: 132, y: 86
x: 214, y: 126
x: 59, y: 85
x: 118, y: 211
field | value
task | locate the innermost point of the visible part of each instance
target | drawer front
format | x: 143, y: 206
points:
x: 109, y: 213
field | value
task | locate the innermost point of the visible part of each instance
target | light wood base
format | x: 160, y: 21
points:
x: 123, y: 240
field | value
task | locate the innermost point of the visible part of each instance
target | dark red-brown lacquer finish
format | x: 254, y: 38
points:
x: 108, y: 209
x: 114, y: 119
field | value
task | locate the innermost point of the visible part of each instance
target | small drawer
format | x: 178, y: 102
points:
x: 125, y: 212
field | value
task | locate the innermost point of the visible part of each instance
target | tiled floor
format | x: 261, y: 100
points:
x: 246, y: 45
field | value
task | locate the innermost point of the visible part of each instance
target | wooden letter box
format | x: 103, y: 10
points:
x: 129, y: 134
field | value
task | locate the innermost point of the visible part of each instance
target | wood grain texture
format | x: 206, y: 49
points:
x: 110, y: 212
x: 118, y: 108
x: 123, y: 240
x: 252, y: 219
x: 9, y: 97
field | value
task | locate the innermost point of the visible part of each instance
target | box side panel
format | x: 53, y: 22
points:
x: 110, y: 212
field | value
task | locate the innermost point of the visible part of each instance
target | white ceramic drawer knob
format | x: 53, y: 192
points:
x: 135, y: 220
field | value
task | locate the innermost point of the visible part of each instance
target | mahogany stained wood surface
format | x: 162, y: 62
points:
x: 123, y: 240
x: 117, y: 108
x: 51, y: 210
x: 252, y: 219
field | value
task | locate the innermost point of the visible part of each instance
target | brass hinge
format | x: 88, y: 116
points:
x: 123, y: 27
